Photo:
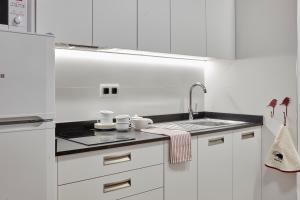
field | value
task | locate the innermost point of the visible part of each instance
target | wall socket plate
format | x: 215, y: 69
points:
x: 109, y: 89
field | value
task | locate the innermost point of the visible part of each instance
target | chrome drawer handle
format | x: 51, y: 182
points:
x: 245, y: 136
x: 216, y: 141
x: 109, y: 160
x: 110, y: 187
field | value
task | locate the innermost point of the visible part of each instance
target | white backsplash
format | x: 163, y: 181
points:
x: 148, y: 85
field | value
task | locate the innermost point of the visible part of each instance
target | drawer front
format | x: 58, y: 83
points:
x: 114, y: 186
x: 151, y: 195
x: 77, y: 167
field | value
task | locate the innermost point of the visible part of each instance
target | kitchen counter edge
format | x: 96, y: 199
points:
x: 78, y: 148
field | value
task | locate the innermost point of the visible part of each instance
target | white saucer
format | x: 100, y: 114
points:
x: 101, y: 126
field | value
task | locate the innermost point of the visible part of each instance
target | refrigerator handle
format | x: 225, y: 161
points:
x: 23, y: 120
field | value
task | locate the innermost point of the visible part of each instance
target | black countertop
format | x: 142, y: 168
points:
x: 66, y: 147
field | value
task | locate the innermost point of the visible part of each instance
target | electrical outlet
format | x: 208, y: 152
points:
x: 109, y: 90
x: 114, y: 89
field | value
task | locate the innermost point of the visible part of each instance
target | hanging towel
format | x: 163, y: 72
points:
x: 283, y: 155
x: 180, y: 147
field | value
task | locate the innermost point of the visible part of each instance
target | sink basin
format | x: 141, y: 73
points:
x: 209, y: 123
x: 198, y: 124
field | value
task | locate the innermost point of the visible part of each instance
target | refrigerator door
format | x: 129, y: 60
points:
x: 27, y: 162
x: 26, y: 75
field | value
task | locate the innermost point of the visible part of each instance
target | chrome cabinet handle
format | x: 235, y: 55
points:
x: 109, y: 160
x: 23, y: 120
x: 249, y: 135
x: 216, y: 141
x: 110, y: 187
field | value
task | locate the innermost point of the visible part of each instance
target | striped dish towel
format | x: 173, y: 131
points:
x: 180, y: 147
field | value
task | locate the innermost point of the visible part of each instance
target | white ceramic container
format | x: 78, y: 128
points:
x: 106, y: 117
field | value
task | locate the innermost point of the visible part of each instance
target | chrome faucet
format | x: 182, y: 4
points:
x: 191, y: 112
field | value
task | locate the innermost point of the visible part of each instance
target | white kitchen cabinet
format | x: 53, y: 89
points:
x: 69, y: 20
x: 115, y: 24
x: 220, y: 28
x: 107, y: 162
x: 154, y: 25
x: 203, y: 28
x: 114, y: 186
x: 247, y: 164
x: 181, y: 179
x: 157, y: 194
x: 188, y: 31
x: 215, y: 167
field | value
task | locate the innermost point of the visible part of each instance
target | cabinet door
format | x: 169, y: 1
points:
x: 181, y: 179
x: 157, y: 194
x: 247, y: 164
x: 69, y: 20
x: 188, y: 34
x: 154, y: 25
x: 215, y: 167
x: 115, y: 24
x: 220, y: 27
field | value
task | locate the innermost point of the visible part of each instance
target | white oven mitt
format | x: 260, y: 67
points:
x: 283, y: 155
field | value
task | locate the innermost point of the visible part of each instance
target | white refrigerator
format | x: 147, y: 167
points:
x: 27, y: 105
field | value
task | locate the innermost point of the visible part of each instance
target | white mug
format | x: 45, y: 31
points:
x: 106, y: 117
x: 141, y: 123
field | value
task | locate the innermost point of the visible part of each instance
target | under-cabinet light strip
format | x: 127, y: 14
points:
x: 128, y: 52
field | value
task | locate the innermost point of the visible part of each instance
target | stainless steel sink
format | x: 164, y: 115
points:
x: 210, y: 123
x: 198, y: 124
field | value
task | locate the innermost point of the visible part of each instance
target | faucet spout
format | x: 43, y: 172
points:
x: 191, y: 112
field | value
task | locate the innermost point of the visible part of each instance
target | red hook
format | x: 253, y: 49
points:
x: 284, y: 118
x: 273, y: 104
x: 286, y: 101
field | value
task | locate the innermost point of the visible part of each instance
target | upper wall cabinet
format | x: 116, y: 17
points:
x: 115, y: 24
x: 69, y: 20
x: 190, y: 27
x: 220, y: 28
x: 188, y: 34
x: 203, y: 28
x: 154, y: 25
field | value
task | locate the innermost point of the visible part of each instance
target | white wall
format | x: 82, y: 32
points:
x: 298, y: 85
x: 148, y: 85
x: 266, y: 69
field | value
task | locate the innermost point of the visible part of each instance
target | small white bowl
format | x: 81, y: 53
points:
x: 101, y: 126
x: 122, y: 127
x: 123, y: 119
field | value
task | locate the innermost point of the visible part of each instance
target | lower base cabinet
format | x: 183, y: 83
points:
x: 229, y: 165
x: 247, y: 164
x: 114, y: 186
x: 215, y: 167
x: 181, y: 179
x: 157, y: 194
x: 224, y: 166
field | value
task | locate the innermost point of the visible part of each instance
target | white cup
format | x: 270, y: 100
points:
x: 141, y: 123
x: 122, y: 127
x: 123, y: 119
x: 106, y: 117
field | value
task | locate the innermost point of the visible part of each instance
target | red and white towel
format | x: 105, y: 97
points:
x: 283, y: 155
x: 180, y: 147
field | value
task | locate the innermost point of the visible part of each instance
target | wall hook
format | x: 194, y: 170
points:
x: 273, y: 104
x: 284, y: 118
x: 286, y: 101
